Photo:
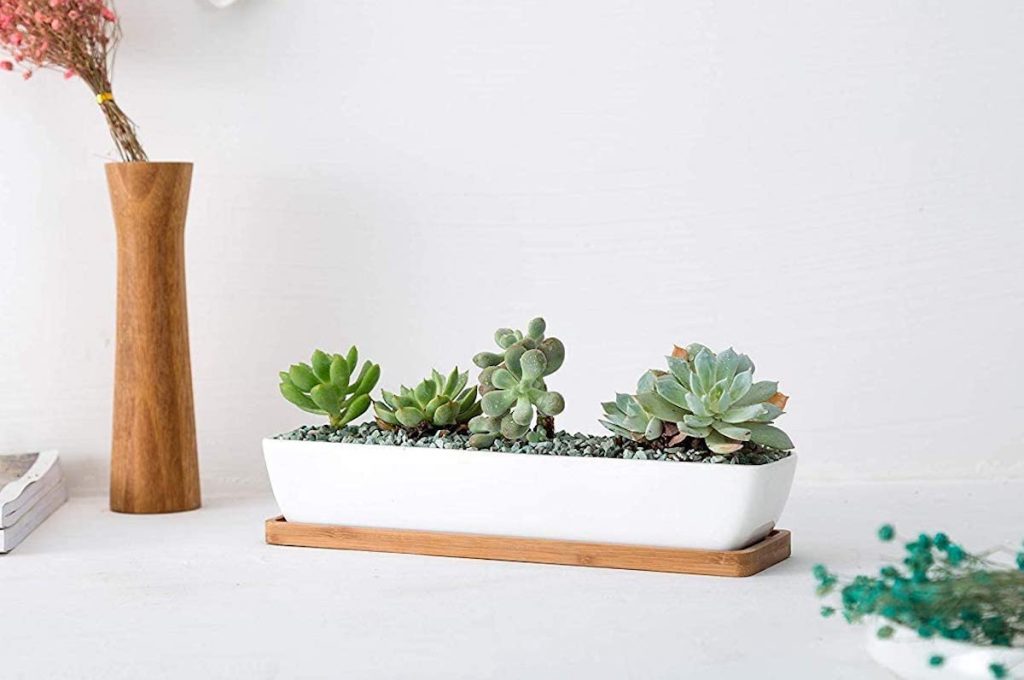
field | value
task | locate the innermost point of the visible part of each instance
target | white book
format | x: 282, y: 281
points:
x: 31, y: 488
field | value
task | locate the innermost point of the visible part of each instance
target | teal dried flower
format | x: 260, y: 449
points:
x: 997, y: 670
x: 886, y: 532
x: 936, y: 660
x: 705, y: 396
x: 940, y: 591
x: 437, y: 402
x: 328, y: 386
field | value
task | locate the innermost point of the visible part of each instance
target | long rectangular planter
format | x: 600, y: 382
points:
x: 634, y: 502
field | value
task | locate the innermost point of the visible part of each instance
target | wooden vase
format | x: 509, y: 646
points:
x: 154, y: 466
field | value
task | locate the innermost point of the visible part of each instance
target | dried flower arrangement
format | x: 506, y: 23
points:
x: 940, y: 591
x: 78, y: 38
x: 705, y: 408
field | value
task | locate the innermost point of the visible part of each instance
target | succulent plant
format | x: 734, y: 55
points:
x: 329, y: 387
x: 436, y: 402
x: 704, y: 396
x: 515, y: 396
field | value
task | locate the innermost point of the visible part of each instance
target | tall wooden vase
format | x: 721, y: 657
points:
x: 154, y: 466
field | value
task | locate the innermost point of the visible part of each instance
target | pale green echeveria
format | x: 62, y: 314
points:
x: 329, y: 386
x: 438, y: 402
x: 705, y: 396
x: 507, y: 338
x: 515, y: 395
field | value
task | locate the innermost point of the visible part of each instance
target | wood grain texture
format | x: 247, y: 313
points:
x: 772, y: 550
x: 154, y: 464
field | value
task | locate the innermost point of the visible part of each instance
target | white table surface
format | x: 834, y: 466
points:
x: 92, y: 594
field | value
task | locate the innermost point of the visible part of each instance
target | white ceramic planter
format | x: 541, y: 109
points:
x: 906, y: 654
x: 642, y: 502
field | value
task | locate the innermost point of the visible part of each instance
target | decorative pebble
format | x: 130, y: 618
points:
x: 563, y: 444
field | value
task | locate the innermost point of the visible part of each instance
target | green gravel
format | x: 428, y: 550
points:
x: 563, y: 444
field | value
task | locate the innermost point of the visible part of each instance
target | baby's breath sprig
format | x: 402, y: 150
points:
x: 939, y: 590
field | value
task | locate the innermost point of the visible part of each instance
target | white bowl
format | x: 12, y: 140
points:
x: 640, y: 502
x: 906, y: 654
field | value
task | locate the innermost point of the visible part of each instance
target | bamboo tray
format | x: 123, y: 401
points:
x: 746, y: 562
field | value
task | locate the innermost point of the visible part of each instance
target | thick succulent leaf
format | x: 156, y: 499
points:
x: 554, y: 352
x: 695, y: 348
x: 743, y: 363
x: 302, y: 377
x: 704, y: 364
x: 740, y: 386
x: 451, y: 387
x: 445, y: 414
x: 503, y: 379
x: 505, y: 337
x: 485, y: 379
x: 680, y: 369
x: 327, y: 397
x: 610, y: 407
x: 469, y: 411
x: 725, y: 365
x: 533, y: 363
x: 715, y: 394
x: 535, y: 329
x: 771, y: 412
x: 654, y: 429
x: 721, y: 444
x: 382, y: 411
x: 353, y: 385
x: 498, y: 402
x: 486, y: 359
x: 731, y: 431
x: 285, y: 378
x: 484, y: 424
x: 549, y: 403
x: 769, y: 435
x: 699, y: 432
x: 391, y: 400
x: 338, y: 374
x: 482, y: 441
x: 668, y: 387
x: 510, y: 429
x: 698, y: 421
x: 615, y: 429
x: 648, y: 382
x: 368, y: 381
x: 433, y: 405
x: 356, y: 408
x: 424, y: 392
x: 295, y: 396
x: 523, y: 412
x: 352, y: 359
x: 410, y: 416
x: 460, y: 382
x: 659, y: 407
x: 438, y: 380
x: 741, y: 414
x: 695, y: 385
x: 467, y: 399
x: 759, y: 392
x: 695, y: 405
x: 623, y: 401
x: 513, y: 355
x: 322, y: 365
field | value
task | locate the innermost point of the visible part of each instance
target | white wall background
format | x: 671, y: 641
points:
x: 832, y: 187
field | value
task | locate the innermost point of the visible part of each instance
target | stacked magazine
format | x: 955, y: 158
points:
x: 31, y: 488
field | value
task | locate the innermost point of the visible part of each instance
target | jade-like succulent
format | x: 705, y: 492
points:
x: 515, y: 395
x: 437, y: 402
x: 704, y: 396
x: 328, y: 386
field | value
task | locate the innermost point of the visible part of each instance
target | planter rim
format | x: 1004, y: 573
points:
x: 792, y: 455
